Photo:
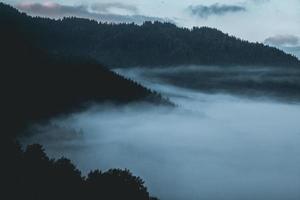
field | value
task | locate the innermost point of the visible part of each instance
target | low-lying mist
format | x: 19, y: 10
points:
x: 276, y: 83
x: 211, y: 146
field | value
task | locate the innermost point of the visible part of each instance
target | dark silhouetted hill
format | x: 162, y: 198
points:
x: 36, y: 86
x: 31, y: 174
x: 151, y: 44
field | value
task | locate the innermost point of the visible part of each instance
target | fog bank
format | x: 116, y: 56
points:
x: 253, y: 82
x: 212, y: 146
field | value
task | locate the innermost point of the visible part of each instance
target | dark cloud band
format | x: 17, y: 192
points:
x: 215, y: 9
x: 283, y: 40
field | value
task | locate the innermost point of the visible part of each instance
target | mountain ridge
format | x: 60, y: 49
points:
x: 150, y: 44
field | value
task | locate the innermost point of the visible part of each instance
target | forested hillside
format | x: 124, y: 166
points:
x: 31, y: 174
x: 151, y: 44
x: 36, y: 86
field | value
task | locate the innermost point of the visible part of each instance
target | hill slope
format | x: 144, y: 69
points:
x: 151, y: 44
x: 37, y: 86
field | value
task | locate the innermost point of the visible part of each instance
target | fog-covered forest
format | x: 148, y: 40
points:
x: 97, y: 110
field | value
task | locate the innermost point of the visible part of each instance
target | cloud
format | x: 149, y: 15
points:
x: 52, y: 9
x: 107, y: 7
x: 260, y: 1
x: 99, y: 12
x: 214, y: 9
x: 212, y: 146
x: 283, y: 40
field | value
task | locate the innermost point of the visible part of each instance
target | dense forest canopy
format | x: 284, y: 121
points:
x: 38, y: 86
x: 151, y: 44
x: 31, y: 174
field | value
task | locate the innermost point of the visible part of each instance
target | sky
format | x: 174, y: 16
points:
x: 274, y: 22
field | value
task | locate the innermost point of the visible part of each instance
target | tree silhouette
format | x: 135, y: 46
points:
x: 30, y: 174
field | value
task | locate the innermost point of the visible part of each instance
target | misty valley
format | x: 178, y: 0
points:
x: 98, y: 104
x: 191, y: 150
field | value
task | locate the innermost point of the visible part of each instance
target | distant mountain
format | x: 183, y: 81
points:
x: 36, y: 86
x: 151, y: 44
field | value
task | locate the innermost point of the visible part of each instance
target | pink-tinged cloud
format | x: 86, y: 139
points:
x: 97, y: 12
